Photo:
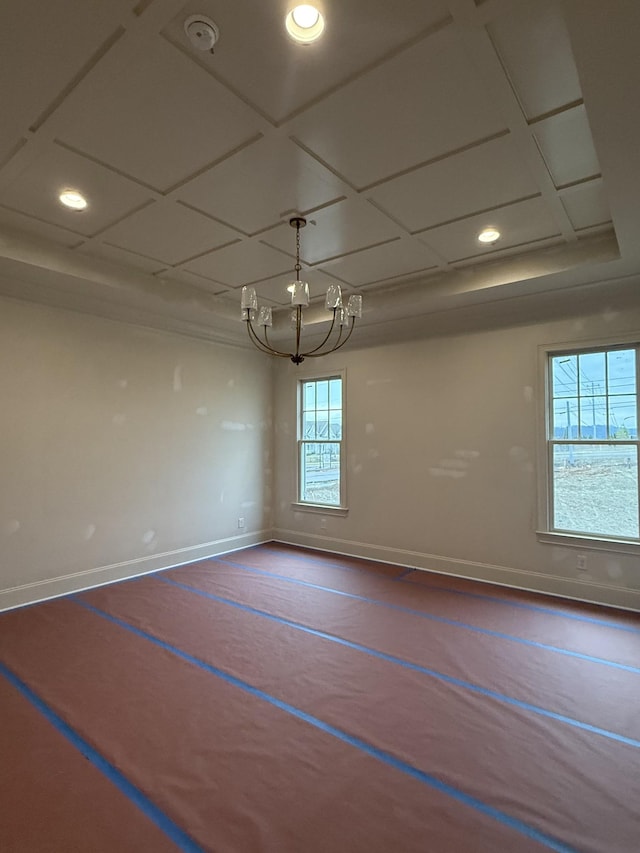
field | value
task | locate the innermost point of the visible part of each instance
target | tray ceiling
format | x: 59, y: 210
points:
x: 401, y: 134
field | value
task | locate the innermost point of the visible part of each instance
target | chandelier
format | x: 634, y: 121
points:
x: 344, y: 319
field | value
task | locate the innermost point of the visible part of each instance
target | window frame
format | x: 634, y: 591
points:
x: 298, y: 503
x: 546, y: 442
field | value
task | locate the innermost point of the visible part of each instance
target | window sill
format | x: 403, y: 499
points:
x: 320, y: 508
x: 575, y: 540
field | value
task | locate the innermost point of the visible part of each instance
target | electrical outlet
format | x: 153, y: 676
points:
x: 323, y: 524
x: 241, y: 522
x: 581, y: 563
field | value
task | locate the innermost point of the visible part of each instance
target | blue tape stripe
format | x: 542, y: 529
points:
x: 328, y: 561
x: 161, y: 820
x: 535, y: 607
x: 539, y: 608
x: 448, y: 679
x: 432, y: 617
x: 381, y: 755
x: 404, y: 574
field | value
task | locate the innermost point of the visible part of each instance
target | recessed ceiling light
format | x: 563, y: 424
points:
x: 489, y: 235
x: 73, y: 199
x: 304, y: 23
x: 305, y: 16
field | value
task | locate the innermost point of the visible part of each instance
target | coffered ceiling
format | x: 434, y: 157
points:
x: 400, y: 135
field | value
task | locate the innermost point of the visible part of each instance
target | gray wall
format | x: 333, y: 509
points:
x: 123, y: 449
x: 441, y: 460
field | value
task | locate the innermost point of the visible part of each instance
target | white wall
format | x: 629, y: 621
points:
x: 123, y: 449
x: 441, y: 472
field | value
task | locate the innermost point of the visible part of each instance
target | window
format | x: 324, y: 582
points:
x: 320, y: 442
x: 592, y: 442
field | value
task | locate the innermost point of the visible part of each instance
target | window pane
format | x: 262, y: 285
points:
x: 309, y: 401
x: 565, y: 418
x: 623, y: 417
x: 593, y: 417
x: 596, y: 489
x: 335, y: 425
x: 322, y: 424
x: 564, y: 373
x: 335, y: 393
x: 322, y: 394
x: 320, y: 473
x: 622, y: 371
x: 591, y: 367
x: 309, y: 425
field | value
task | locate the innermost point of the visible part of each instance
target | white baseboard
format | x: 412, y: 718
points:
x: 578, y: 590
x: 31, y: 593
x: 575, y: 589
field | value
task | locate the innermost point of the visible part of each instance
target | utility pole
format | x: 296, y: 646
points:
x: 569, y: 436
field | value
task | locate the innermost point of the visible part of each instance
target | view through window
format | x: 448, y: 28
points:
x: 320, y: 442
x: 593, y: 442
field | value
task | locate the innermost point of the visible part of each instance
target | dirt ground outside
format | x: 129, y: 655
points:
x: 597, y: 499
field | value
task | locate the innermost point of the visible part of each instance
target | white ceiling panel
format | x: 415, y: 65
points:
x: 35, y: 192
x: 169, y: 232
x: 241, y: 263
x: 567, y: 146
x: 335, y: 230
x: 259, y: 60
x: 423, y: 103
x: 323, y: 278
x: 522, y: 261
x: 255, y: 188
x: 29, y: 225
x: 41, y: 54
x: 401, y: 258
x: 273, y: 291
x: 481, y: 178
x: 519, y: 224
x: 9, y: 146
x: 533, y: 45
x: 120, y: 256
x: 587, y: 204
x: 183, y: 275
x: 162, y: 119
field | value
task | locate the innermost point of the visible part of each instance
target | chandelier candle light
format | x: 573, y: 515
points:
x: 262, y: 315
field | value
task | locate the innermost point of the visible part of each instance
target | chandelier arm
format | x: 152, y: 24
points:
x: 337, y: 346
x: 326, y: 338
x: 298, y: 307
x: 275, y: 351
x: 337, y: 342
x: 264, y: 346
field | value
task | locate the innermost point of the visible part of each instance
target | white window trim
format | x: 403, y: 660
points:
x: 323, y: 509
x: 544, y: 532
x: 341, y: 509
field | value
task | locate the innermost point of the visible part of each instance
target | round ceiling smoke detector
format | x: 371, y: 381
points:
x: 201, y: 32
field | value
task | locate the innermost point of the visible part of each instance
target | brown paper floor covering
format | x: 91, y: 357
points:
x: 280, y: 699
